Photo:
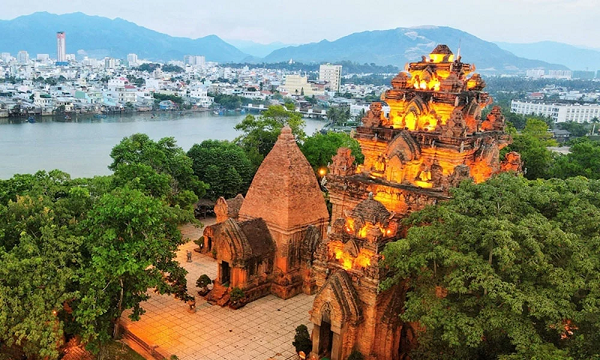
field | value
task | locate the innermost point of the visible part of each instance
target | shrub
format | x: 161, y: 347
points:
x: 302, y: 340
x: 356, y: 355
x: 203, y: 281
x: 199, y: 242
x: 236, y: 295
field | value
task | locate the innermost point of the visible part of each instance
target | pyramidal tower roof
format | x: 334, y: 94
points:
x: 285, y: 191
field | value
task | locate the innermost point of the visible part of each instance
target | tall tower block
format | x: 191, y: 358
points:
x: 61, y: 47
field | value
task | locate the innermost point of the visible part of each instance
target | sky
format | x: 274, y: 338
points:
x: 520, y: 21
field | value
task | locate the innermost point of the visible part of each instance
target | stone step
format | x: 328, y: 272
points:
x: 224, y: 300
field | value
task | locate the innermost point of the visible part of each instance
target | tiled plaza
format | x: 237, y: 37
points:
x: 263, y: 329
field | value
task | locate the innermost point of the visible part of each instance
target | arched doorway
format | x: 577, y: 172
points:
x: 225, y: 272
x: 325, y: 334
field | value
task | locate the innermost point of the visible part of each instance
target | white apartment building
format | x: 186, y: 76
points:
x: 118, y: 82
x: 332, y: 74
x: 110, y: 63
x: 535, y: 73
x: 299, y: 85
x: 23, y: 57
x: 559, y: 112
x: 200, y: 95
x: 132, y: 59
x: 560, y: 74
x: 196, y: 60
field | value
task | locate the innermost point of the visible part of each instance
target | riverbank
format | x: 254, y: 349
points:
x: 73, y: 114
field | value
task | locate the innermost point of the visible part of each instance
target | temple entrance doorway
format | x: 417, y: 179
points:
x: 225, y: 272
x: 325, y: 340
x: 325, y: 334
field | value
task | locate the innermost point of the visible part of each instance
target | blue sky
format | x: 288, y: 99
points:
x: 570, y: 21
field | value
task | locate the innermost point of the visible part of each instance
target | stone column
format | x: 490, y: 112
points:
x: 336, y: 347
x: 316, y: 338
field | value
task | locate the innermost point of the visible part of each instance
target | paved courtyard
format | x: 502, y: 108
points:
x: 263, y: 329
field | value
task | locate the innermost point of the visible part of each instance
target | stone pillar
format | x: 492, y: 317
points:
x: 336, y: 347
x: 316, y: 338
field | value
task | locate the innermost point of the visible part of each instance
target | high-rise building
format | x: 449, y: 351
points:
x: 23, y: 57
x: 110, y: 63
x: 5, y: 57
x: 61, y: 47
x: 132, y: 59
x: 332, y: 74
x: 583, y: 75
x: 197, y: 60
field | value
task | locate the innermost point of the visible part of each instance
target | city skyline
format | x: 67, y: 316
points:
x: 518, y: 21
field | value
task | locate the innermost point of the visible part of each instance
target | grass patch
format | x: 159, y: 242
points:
x: 120, y: 351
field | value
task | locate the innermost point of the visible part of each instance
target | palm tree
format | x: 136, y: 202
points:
x: 594, y: 121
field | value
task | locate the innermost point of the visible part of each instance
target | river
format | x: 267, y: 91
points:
x: 82, y: 147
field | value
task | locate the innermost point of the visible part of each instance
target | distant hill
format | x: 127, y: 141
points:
x: 575, y: 58
x: 255, y: 49
x: 401, y: 45
x: 100, y: 36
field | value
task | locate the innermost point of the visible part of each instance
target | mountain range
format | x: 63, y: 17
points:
x: 575, y: 58
x: 401, y: 45
x: 99, y: 37
x: 255, y: 49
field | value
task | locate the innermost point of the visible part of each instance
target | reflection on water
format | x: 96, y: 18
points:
x: 81, y: 147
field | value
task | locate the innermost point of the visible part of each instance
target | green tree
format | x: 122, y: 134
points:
x: 338, y: 115
x: 38, y: 259
x: 260, y: 133
x: 576, y: 129
x: 74, y: 254
x: 532, y: 144
x: 320, y: 148
x: 223, y: 165
x: 302, y: 340
x: 165, y: 158
x: 539, y: 129
x: 507, y: 269
x: 583, y: 160
x: 131, y: 240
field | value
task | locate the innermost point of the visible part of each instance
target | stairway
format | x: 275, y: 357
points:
x: 218, y: 295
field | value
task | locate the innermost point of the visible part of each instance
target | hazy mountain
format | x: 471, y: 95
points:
x: 576, y: 58
x: 401, y: 45
x: 256, y: 49
x: 100, y: 36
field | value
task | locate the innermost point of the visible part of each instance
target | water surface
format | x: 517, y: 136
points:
x: 82, y: 147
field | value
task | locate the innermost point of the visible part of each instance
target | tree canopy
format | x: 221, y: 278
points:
x: 507, y: 269
x: 320, y: 148
x: 583, y: 160
x: 76, y: 253
x: 532, y: 143
x: 260, y: 133
x: 159, y: 168
x: 224, y: 166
